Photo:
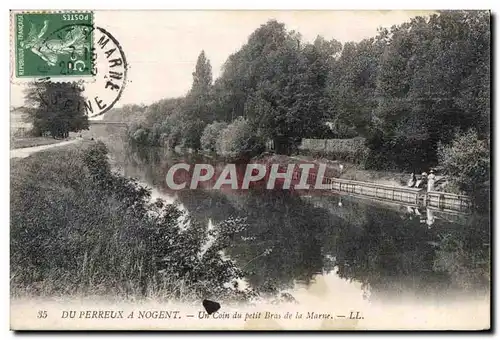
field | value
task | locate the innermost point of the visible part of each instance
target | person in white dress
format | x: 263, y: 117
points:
x: 430, y: 181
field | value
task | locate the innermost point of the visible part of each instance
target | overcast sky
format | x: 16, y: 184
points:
x: 161, y: 47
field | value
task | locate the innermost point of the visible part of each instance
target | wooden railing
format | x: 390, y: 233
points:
x: 443, y: 200
x: 416, y: 196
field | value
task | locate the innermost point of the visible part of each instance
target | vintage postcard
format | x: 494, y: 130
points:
x: 250, y: 170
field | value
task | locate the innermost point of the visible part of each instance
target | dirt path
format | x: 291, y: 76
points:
x: 25, y: 152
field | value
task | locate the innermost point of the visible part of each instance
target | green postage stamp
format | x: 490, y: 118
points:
x: 49, y: 44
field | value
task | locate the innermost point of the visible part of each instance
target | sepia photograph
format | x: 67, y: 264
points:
x: 320, y: 170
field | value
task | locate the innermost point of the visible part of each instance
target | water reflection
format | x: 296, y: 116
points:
x: 285, y: 242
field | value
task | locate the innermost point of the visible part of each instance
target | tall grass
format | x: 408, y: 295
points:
x: 77, y: 228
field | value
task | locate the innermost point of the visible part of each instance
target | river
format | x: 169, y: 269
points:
x: 345, y: 248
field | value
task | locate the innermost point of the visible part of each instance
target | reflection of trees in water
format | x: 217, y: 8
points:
x: 289, y: 238
x: 280, y: 242
x: 464, y: 253
x: 388, y: 253
x: 146, y: 163
x: 394, y: 255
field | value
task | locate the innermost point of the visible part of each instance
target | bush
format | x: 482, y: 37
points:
x: 466, y: 160
x: 140, y: 136
x: 238, y: 140
x: 211, y: 134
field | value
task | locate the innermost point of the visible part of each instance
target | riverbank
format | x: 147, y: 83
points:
x: 354, y: 172
x: 340, y: 169
x: 79, y: 229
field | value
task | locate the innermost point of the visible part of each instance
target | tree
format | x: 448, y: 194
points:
x: 278, y: 84
x: 191, y: 133
x: 467, y: 163
x: 238, y: 140
x: 202, y: 76
x: 211, y: 134
x: 56, y: 108
x: 195, y: 108
x: 433, y: 78
x: 351, y: 87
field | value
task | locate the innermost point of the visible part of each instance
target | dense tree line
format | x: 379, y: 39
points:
x: 407, y: 90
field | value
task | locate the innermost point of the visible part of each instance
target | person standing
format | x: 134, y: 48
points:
x: 412, y: 181
x: 430, y: 180
x: 422, y: 181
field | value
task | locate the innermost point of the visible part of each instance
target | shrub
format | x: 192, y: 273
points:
x: 211, y: 134
x: 171, y: 131
x: 466, y: 160
x: 141, y: 136
x: 238, y: 140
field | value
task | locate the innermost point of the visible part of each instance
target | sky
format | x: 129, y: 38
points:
x: 161, y: 47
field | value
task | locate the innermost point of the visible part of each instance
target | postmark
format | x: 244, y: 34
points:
x: 51, y: 44
x: 109, y: 70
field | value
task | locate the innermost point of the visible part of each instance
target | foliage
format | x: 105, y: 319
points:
x: 191, y: 133
x: 277, y: 83
x: 161, y: 110
x: 140, y: 135
x: 466, y: 161
x: 56, y: 108
x: 238, y: 140
x: 202, y: 76
x: 351, y: 87
x: 426, y: 70
x: 103, y: 234
x: 178, y: 121
x: 211, y: 134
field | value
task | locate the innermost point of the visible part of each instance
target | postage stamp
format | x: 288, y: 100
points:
x: 50, y: 48
x: 53, y: 44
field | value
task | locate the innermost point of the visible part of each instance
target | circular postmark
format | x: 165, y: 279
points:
x: 104, y: 60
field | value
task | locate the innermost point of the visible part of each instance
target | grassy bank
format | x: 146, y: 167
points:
x: 349, y: 171
x: 79, y: 229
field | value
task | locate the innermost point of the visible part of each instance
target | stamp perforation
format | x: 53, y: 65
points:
x: 13, y: 49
